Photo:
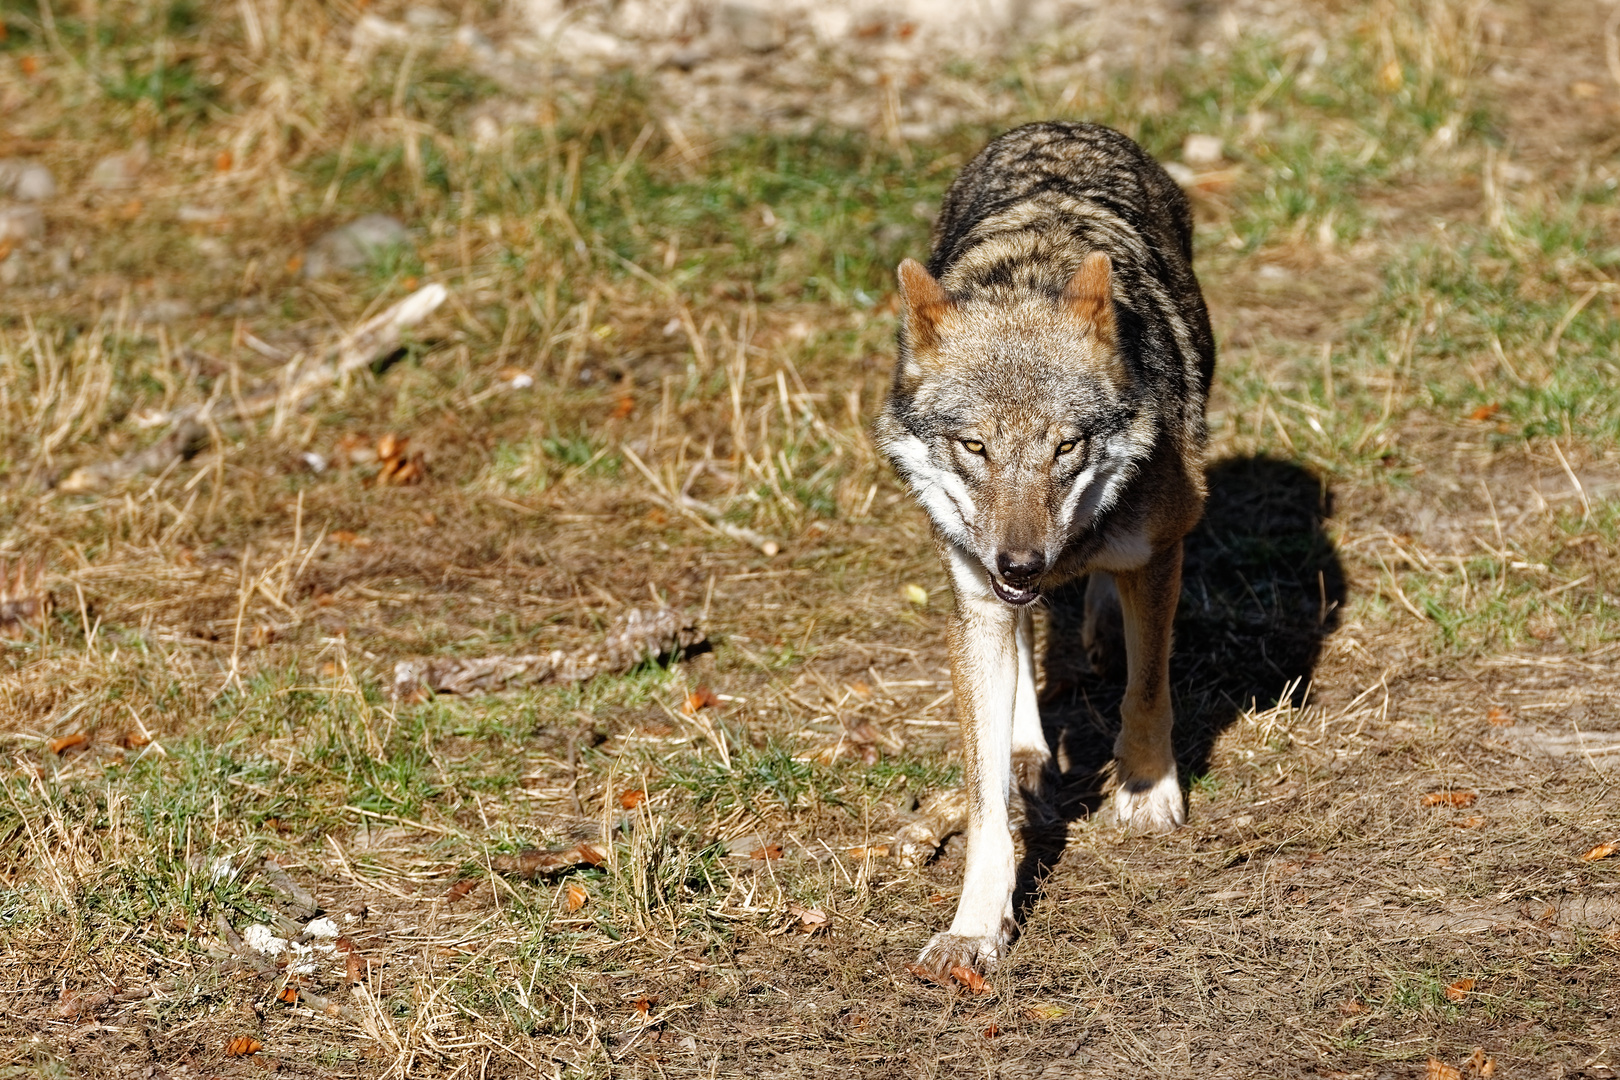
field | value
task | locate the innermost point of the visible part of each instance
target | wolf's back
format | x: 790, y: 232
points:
x: 1024, y: 213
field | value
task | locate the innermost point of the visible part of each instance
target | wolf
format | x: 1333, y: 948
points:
x: 1047, y: 412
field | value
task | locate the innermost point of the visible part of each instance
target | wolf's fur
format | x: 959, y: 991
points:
x: 1047, y: 411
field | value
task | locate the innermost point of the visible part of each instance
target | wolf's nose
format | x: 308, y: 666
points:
x: 1019, y: 566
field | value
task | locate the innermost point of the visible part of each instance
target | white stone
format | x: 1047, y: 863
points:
x: 26, y: 180
x: 352, y: 246
x: 261, y: 939
x: 1202, y: 150
x: 322, y: 928
x: 19, y: 223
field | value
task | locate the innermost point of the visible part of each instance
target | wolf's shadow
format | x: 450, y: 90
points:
x: 1261, y: 589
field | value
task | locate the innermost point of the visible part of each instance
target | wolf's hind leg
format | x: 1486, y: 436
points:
x: 1148, y: 793
x: 1031, y: 758
x: 1102, y: 634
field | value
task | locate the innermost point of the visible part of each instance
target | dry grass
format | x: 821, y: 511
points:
x: 1405, y: 585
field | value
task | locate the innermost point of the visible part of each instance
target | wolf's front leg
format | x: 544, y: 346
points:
x: 1148, y: 795
x: 984, y: 671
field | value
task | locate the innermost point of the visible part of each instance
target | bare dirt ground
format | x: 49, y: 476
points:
x: 229, y: 849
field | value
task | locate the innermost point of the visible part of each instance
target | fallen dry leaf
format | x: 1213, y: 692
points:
x: 348, y: 538
x: 576, y: 896
x: 876, y: 851
x: 624, y: 407
x: 992, y: 1031
x: 1045, y: 1011
x: 916, y: 595
x: 68, y: 742
x: 288, y: 995
x: 1472, y: 822
x: 243, y: 1046
x: 1439, y: 1070
x: 222, y: 161
x: 632, y: 798
x: 928, y: 974
x: 643, y: 1004
x: 532, y: 862
x: 134, y: 740
x: 1459, y: 799
x: 1352, y: 1006
x: 1485, y: 412
x: 701, y: 698
x: 976, y: 983
x: 1391, y: 77
x: 811, y: 920
x: 354, y: 972
x: 768, y: 853
x: 460, y: 889
x: 1458, y: 990
x: 1602, y: 851
x: 1498, y: 717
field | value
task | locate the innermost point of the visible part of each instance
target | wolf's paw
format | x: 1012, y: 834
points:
x: 946, y: 951
x: 1147, y: 805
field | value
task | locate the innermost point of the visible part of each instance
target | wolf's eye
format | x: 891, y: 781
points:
x: 1065, y: 446
x: 973, y: 446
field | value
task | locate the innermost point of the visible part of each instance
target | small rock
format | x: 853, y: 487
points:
x: 117, y: 171
x: 754, y: 29
x: 26, y: 180
x: 354, y: 245
x: 1202, y: 150
x: 322, y: 928
x: 261, y: 939
x: 21, y: 223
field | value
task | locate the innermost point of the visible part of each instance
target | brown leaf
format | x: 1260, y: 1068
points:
x: 345, y: 944
x: 1459, y: 799
x: 767, y: 853
x: 68, y: 742
x: 976, y: 983
x: 1472, y: 822
x: 392, y: 446
x: 533, y: 862
x: 460, y: 889
x: 811, y: 920
x: 83, y: 1002
x: 243, y: 1046
x: 928, y: 974
x: 644, y: 1004
x: 701, y: 698
x: 133, y: 740
x: 577, y: 896
x: 1498, y: 717
x: 222, y: 161
x: 624, y: 407
x: 876, y: 851
x: 348, y: 538
x: 288, y: 995
x: 1602, y: 851
x: 1458, y: 990
x: 632, y: 798
x: 1439, y: 1070
x: 1351, y: 1006
x: 354, y: 971
x: 991, y: 1032
x: 1485, y: 412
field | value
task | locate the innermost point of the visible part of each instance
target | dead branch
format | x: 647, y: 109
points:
x: 293, y: 390
x: 642, y: 634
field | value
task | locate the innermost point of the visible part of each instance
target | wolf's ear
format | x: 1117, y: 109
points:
x: 1090, y: 295
x: 925, y: 303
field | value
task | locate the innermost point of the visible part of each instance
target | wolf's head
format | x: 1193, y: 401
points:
x: 1014, y: 419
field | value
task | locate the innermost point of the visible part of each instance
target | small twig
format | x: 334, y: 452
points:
x: 1580, y: 489
x: 699, y: 510
x: 1551, y: 348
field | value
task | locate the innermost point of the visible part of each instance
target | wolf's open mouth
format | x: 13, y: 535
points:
x: 1015, y: 597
